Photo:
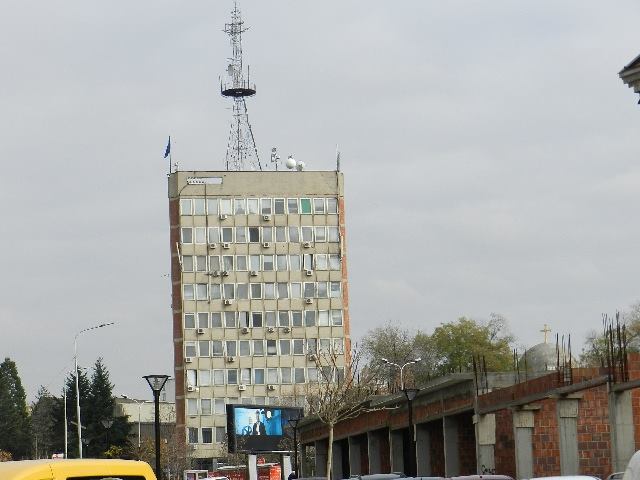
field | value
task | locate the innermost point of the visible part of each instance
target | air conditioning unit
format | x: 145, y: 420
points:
x: 271, y: 387
x: 286, y: 330
x: 271, y: 329
x: 312, y: 357
x: 308, y: 273
x: 216, y: 273
x: 226, y: 245
x: 231, y: 359
x: 225, y: 273
x: 306, y: 244
x: 191, y: 388
x: 266, y: 218
x: 254, y: 273
x: 308, y: 301
x: 200, y: 331
x: 266, y: 244
x: 228, y: 301
x: 242, y: 387
x: 245, y: 330
x: 223, y: 216
x: 188, y: 359
x: 213, y: 245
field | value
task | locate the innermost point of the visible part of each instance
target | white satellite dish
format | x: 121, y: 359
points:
x: 300, y: 166
x: 291, y: 163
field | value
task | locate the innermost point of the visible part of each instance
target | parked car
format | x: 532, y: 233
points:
x: 94, y: 469
x: 616, y: 476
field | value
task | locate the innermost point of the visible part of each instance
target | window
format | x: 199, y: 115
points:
x: 241, y: 263
x: 307, y: 234
x: 229, y: 291
x: 258, y: 348
x: 192, y: 378
x: 267, y: 234
x: 185, y: 206
x: 268, y: 263
x: 272, y: 375
x: 212, y: 206
x: 189, y: 320
x: 187, y: 263
x: 227, y: 234
x: 216, y: 348
x: 213, y: 235
x: 312, y: 345
x: 265, y: 206
x: 269, y: 291
x: 309, y: 290
x: 205, y: 406
x: 318, y: 205
x: 294, y: 235
x: 296, y: 318
x: 232, y: 376
x: 296, y: 290
x: 252, y: 206
x: 312, y: 374
x: 218, y: 406
x: 215, y: 291
x: 298, y: 346
x: 254, y: 234
x: 256, y: 290
x: 245, y: 348
x: 336, y: 317
x: 321, y: 290
x: 221, y: 433
x: 204, y: 377
x: 258, y: 376
x: 192, y: 435
x: 239, y: 206
x: 310, y: 318
x: 232, y: 348
x: 334, y: 262
x: 199, y: 206
x: 241, y: 234
x: 321, y: 262
x: 201, y: 263
x: 227, y: 262
x: 201, y: 235
x: 281, y: 263
x: 278, y: 206
x: 285, y: 375
x: 269, y: 319
x: 333, y: 234
x: 245, y: 376
x: 334, y: 289
x: 295, y: 262
x: 201, y: 291
x: 323, y: 318
x: 283, y: 318
x: 230, y: 319
x: 218, y: 377
x: 305, y: 206
x: 320, y: 234
x: 325, y: 345
x: 283, y: 290
x: 256, y: 319
x: 243, y: 319
x: 299, y: 375
x: 188, y: 291
x: 307, y: 261
x: 285, y: 347
x: 292, y: 205
x: 204, y: 348
x: 225, y: 206
x: 186, y: 235
x: 281, y: 234
x: 216, y: 320
x: 214, y: 263
x: 203, y: 320
x: 272, y: 348
x: 338, y: 346
x: 332, y: 205
x: 254, y: 263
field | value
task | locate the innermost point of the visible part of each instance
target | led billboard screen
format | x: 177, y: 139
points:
x: 259, y: 428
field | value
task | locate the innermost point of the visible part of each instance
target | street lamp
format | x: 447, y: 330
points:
x: 411, y: 393
x: 410, y: 362
x: 156, y: 382
x: 107, y: 423
x: 75, y: 358
x: 139, y: 403
x: 293, y: 423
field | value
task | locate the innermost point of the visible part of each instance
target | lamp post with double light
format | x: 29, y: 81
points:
x: 401, y: 368
x: 156, y: 382
x: 75, y: 359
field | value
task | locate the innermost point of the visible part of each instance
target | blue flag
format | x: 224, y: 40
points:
x: 167, y: 152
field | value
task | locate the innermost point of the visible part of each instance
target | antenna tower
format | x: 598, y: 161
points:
x: 241, y: 148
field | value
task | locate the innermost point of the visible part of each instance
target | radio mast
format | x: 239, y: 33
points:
x: 241, y: 149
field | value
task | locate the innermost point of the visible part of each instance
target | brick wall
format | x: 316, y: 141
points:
x: 504, y: 452
x: 594, y: 439
x: 546, y: 444
x: 466, y: 444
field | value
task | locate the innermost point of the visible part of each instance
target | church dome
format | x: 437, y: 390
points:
x: 541, y: 357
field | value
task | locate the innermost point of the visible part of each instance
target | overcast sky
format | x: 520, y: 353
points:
x: 490, y: 154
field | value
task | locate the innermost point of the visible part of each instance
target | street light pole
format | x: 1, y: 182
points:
x: 139, y: 403
x: 410, y: 362
x: 294, y: 424
x: 156, y: 382
x: 75, y: 359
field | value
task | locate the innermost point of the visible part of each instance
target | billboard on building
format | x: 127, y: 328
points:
x: 259, y: 428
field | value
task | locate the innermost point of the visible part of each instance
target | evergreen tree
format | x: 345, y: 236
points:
x: 83, y: 387
x: 14, y: 416
x: 43, y: 422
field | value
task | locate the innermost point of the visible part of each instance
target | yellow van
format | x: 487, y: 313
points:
x: 86, y: 469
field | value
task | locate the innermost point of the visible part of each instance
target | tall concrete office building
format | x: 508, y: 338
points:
x: 259, y: 278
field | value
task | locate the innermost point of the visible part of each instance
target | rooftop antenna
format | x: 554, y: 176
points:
x: 337, y: 158
x: 241, y: 148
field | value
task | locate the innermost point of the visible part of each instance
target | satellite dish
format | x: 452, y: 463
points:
x: 230, y: 70
x: 291, y: 163
x: 300, y: 166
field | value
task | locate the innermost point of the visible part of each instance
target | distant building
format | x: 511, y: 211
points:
x: 259, y: 277
x: 142, y: 413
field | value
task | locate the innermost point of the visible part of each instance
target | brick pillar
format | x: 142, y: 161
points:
x: 568, y: 435
x: 485, y: 442
x: 523, y: 439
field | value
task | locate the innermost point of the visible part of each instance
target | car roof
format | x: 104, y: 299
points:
x: 28, y: 469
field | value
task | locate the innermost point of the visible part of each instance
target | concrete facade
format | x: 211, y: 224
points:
x: 259, y: 285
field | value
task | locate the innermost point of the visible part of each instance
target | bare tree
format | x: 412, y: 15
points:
x: 340, y: 392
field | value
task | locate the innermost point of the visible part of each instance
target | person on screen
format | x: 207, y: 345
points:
x: 258, y: 426
x: 270, y: 423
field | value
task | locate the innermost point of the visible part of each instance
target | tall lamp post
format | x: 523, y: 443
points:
x: 139, y: 403
x: 293, y: 422
x: 401, y: 368
x: 411, y: 393
x: 156, y: 382
x: 75, y: 359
